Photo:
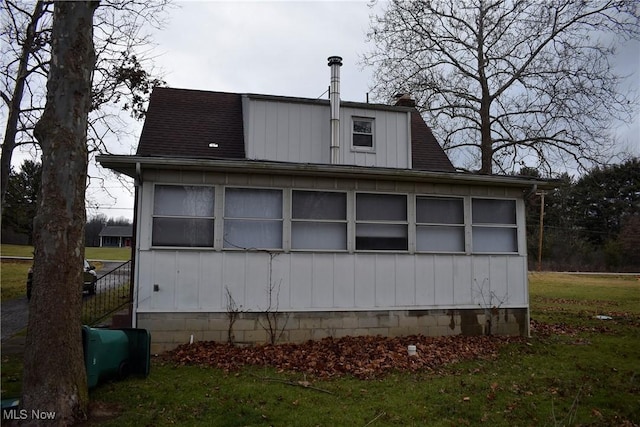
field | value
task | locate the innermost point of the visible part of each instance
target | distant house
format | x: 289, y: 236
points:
x: 118, y: 236
x: 342, y: 218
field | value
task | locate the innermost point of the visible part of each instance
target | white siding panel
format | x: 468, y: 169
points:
x: 187, y: 280
x: 343, y: 282
x: 284, y: 139
x: 281, y: 281
x: 385, y: 269
x: 443, y: 272
x: 164, y: 275
x: 517, y: 280
x: 481, y: 279
x: 212, y: 289
x: 425, y: 280
x: 462, y: 281
x: 295, y: 135
x: 257, y: 282
x: 365, y: 280
x: 301, y: 268
x: 498, y: 280
x: 234, y: 277
x: 146, y: 267
x: 405, y: 281
x: 322, y: 291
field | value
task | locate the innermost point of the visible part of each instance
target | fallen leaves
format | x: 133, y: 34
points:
x: 361, y: 357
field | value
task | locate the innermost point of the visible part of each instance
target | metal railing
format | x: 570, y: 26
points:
x: 113, y: 290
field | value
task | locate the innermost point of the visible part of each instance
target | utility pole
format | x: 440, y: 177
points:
x: 541, y: 194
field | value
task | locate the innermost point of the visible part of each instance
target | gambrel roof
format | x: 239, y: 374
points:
x: 181, y: 123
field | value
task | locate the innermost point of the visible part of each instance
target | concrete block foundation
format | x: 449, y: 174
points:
x: 169, y: 330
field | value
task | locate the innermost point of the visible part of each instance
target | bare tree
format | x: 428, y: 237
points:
x: 509, y: 83
x: 54, y: 373
x: 122, y: 80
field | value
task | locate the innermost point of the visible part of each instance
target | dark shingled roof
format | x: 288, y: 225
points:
x: 182, y: 123
x: 426, y: 153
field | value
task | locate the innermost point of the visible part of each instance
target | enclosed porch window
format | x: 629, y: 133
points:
x: 253, y: 218
x: 494, y: 225
x: 183, y: 216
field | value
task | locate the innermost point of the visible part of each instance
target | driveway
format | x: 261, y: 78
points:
x: 15, y: 314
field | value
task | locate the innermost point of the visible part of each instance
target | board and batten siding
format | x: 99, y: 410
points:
x: 277, y: 130
x: 200, y: 281
x: 197, y: 280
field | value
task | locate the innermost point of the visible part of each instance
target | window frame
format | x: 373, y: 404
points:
x: 365, y: 148
x: 280, y: 220
x: 155, y: 216
x: 293, y: 220
x: 460, y: 225
x: 495, y: 226
x: 405, y: 223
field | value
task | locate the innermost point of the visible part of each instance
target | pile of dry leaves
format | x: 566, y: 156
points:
x: 362, y: 357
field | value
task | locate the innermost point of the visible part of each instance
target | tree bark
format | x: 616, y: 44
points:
x: 54, y: 372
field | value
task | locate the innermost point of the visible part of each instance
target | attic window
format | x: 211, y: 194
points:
x: 362, y: 137
x: 213, y: 145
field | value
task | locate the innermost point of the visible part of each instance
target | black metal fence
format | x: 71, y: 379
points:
x: 113, y: 290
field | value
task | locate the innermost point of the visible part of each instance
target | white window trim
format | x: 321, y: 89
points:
x: 291, y: 220
x: 358, y: 148
x: 407, y: 222
x: 462, y: 225
x: 286, y: 193
x: 214, y: 217
x: 515, y: 226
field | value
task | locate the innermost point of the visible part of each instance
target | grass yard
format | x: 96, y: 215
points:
x: 13, y: 278
x: 13, y: 273
x: 585, y: 372
x: 115, y: 254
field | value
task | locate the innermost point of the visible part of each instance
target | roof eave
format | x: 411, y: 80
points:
x: 128, y: 165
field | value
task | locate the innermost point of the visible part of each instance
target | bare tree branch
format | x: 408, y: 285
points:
x: 516, y: 82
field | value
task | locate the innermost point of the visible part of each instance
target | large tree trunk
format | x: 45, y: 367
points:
x: 54, y: 372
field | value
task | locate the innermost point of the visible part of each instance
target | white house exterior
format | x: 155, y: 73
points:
x: 244, y: 208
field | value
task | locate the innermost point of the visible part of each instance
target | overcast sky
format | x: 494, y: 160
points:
x: 277, y: 48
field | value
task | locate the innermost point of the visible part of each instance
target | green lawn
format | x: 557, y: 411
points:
x: 587, y: 373
x: 117, y: 254
x: 13, y: 273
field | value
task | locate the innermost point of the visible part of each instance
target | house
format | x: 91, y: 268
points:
x: 264, y: 217
x: 118, y: 236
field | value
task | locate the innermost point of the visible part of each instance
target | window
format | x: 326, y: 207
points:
x: 439, y: 224
x: 252, y: 218
x: 362, y: 134
x: 318, y: 220
x: 183, y: 216
x: 494, y: 225
x: 381, y: 222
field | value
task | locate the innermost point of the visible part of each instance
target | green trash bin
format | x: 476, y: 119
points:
x: 115, y: 353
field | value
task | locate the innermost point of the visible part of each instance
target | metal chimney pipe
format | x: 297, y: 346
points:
x: 335, y: 62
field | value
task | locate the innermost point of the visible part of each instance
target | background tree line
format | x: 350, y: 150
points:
x: 20, y: 205
x: 591, y: 223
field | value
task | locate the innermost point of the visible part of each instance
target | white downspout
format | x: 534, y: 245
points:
x: 335, y: 62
